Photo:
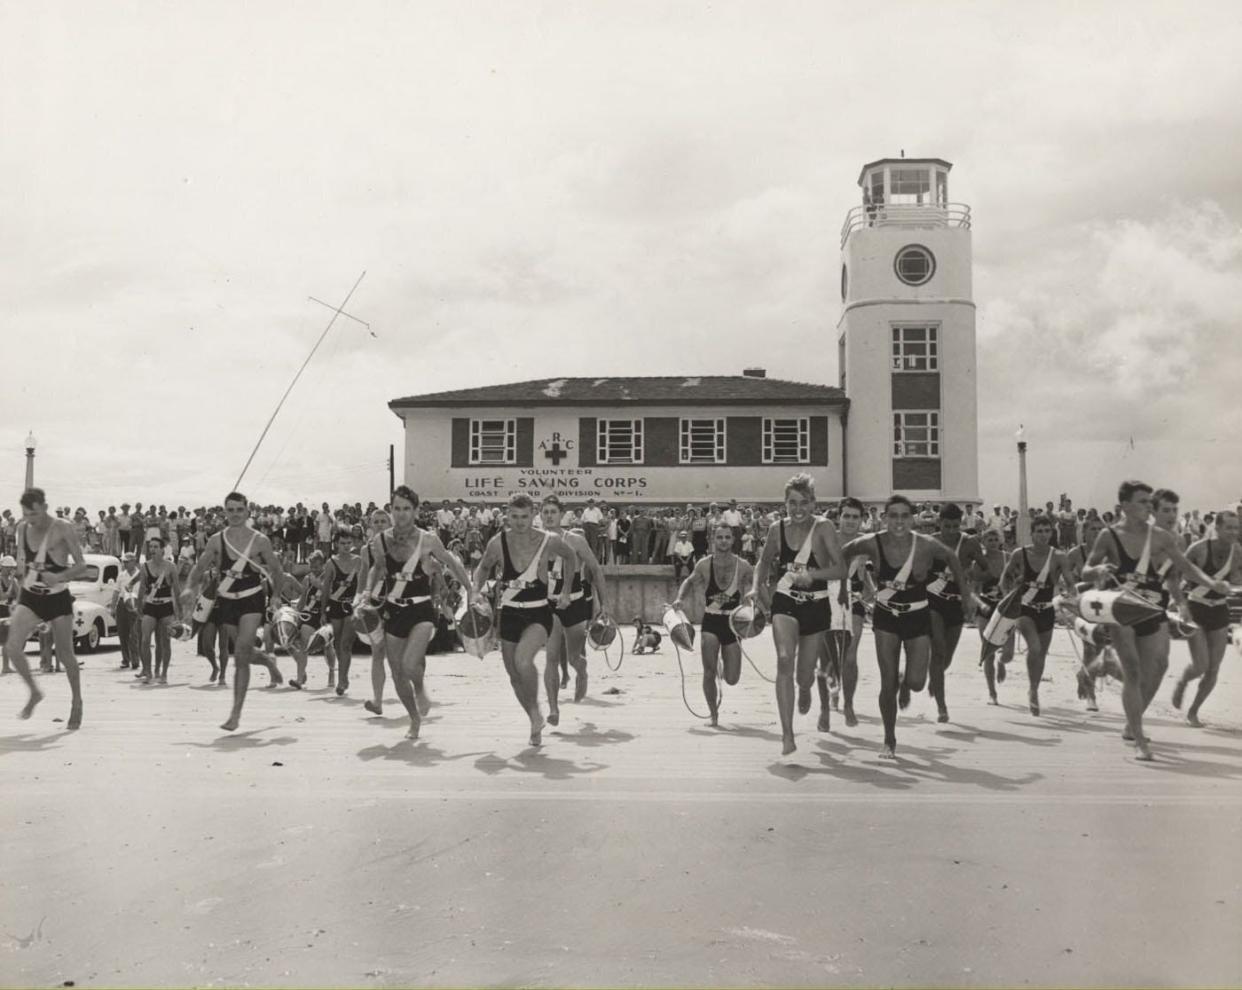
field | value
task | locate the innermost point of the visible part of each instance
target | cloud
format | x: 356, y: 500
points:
x: 562, y: 189
x: 1125, y: 333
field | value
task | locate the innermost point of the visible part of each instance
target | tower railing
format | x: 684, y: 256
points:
x: 905, y: 215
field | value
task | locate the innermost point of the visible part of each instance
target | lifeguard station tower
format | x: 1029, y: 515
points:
x: 906, y: 337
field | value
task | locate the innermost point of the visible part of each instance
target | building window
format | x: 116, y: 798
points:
x: 916, y: 434
x: 914, y: 264
x: 702, y: 441
x: 620, y: 441
x: 493, y: 441
x: 787, y: 441
x: 910, y: 185
x: 916, y: 349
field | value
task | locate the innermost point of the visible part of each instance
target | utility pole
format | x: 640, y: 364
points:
x: 1022, y: 531
x: 392, y: 471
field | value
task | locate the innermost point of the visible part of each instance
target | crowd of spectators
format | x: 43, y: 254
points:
x: 618, y: 534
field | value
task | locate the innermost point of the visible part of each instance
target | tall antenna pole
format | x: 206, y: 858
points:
x: 272, y: 419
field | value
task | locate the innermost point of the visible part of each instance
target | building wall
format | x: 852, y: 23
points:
x: 874, y: 300
x: 433, y: 471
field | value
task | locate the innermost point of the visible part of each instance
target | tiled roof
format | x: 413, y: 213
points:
x: 740, y: 390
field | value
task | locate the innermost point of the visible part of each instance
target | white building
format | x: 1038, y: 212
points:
x: 906, y: 336
x: 903, y: 418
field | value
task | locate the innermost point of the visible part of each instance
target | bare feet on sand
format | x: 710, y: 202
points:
x: 35, y: 697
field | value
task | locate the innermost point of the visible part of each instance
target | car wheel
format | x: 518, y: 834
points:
x: 93, y: 636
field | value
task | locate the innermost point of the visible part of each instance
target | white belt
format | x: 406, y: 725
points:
x: 805, y: 596
x: 43, y: 589
x: 576, y: 596
x: 234, y: 595
x: 901, y: 608
x: 537, y: 603
x: 1206, y: 597
x: 416, y: 600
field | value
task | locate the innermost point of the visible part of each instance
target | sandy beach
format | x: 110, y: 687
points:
x: 317, y: 846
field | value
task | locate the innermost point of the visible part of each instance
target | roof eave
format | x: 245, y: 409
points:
x: 903, y: 161
x: 829, y: 400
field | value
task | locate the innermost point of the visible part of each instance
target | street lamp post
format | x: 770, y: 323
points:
x: 1023, y: 529
x: 30, y: 449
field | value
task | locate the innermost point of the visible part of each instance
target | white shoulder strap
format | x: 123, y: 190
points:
x: 804, y: 552
x: 1144, y: 561
x: 532, y: 569
x: 903, y: 575
x: 403, y: 577
x: 737, y: 570
x: 41, y: 553
x: 242, y: 558
x: 1043, y: 571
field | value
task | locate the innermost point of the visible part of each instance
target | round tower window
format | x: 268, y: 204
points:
x: 914, y: 264
x: 845, y: 282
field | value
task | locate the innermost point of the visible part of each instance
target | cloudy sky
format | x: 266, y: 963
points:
x: 539, y: 189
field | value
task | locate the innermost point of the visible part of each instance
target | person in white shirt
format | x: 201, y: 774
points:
x: 323, y: 530
x: 125, y: 609
x: 592, y: 519
x: 682, y: 554
x: 732, y: 518
x: 444, y: 522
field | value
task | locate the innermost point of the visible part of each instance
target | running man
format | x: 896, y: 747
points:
x: 337, y: 588
x: 986, y: 573
x: 801, y: 552
x: 838, y: 654
x: 945, y: 597
x: 722, y: 575
x: 401, y: 558
x: 567, y: 641
x: 310, y: 609
x: 1133, y: 553
x: 1037, y: 569
x: 524, y: 556
x: 158, y: 593
x: 379, y: 522
x: 1096, y: 661
x: 1221, y: 559
x: 900, y: 618
x: 245, y: 559
x: 48, y: 558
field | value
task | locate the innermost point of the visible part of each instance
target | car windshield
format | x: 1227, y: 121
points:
x: 91, y: 575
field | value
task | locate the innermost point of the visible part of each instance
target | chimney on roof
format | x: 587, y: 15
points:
x: 754, y: 373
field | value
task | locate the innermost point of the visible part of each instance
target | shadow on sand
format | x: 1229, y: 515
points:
x: 532, y: 760
x: 242, y: 740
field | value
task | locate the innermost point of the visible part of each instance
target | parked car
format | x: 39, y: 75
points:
x: 93, y: 618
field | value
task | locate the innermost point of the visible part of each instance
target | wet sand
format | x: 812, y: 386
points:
x: 316, y: 846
